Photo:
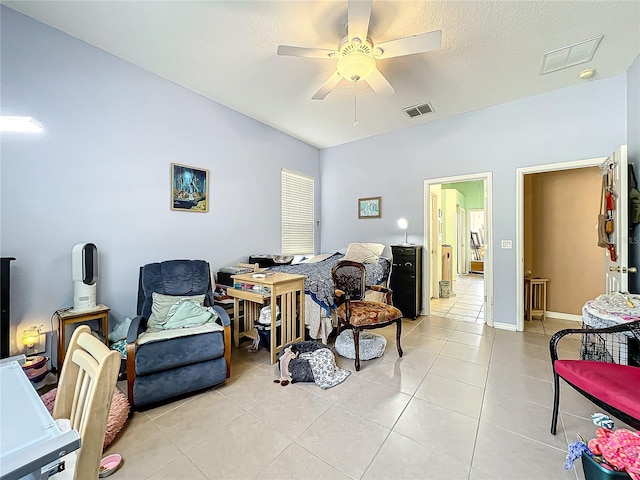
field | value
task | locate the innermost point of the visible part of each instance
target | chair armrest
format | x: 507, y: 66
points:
x: 340, y: 297
x: 138, y: 325
x: 387, y: 292
x: 633, y: 327
x: 224, y: 316
x: 381, y: 289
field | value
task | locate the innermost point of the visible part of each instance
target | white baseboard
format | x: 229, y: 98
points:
x: 504, y: 326
x: 565, y: 316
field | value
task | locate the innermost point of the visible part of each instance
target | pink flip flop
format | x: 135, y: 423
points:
x: 110, y: 464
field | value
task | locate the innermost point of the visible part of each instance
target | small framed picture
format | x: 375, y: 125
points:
x: 189, y: 188
x: 369, y: 207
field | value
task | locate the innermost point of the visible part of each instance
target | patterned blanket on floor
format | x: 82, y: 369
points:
x: 325, y: 371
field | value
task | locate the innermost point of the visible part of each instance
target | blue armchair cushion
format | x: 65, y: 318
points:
x: 174, y: 277
x: 177, y: 352
x: 156, y: 387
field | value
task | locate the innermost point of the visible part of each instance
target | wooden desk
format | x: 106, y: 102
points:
x: 535, y: 295
x: 68, y: 317
x: 287, y: 291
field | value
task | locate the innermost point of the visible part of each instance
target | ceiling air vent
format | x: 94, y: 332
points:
x: 569, y: 56
x: 418, y: 110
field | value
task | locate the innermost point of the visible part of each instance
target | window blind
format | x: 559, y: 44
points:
x: 297, y: 213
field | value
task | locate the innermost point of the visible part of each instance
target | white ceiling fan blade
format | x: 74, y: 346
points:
x: 423, y: 42
x: 379, y: 84
x: 327, y: 87
x: 358, y: 23
x: 304, y: 52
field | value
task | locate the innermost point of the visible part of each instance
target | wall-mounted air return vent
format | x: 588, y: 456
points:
x: 418, y: 110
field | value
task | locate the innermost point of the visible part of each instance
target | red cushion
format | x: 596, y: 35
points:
x: 616, y: 385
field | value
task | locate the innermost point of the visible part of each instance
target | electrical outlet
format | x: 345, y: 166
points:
x: 506, y: 244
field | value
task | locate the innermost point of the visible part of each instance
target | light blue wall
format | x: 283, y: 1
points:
x: 570, y: 124
x: 100, y: 172
x: 633, y: 153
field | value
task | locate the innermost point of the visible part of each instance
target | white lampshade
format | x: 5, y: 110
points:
x: 356, y: 66
x: 403, y: 224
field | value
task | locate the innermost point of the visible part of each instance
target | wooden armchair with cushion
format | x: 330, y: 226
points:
x: 354, y: 311
x: 608, y: 372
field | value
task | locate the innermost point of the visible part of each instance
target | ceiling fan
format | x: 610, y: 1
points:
x: 357, y: 54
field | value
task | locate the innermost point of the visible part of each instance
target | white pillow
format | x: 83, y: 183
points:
x: 364, y: 252
x: 161, y: 305
x: 298, y: 259
x: 318, y: 258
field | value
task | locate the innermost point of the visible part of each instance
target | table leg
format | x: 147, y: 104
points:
x: 274, y: 329
x: 236, y: 320
x: 60, y: 344
x: 105, y: 327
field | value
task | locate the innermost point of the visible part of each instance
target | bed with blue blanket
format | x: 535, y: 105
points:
x: 318, y: 287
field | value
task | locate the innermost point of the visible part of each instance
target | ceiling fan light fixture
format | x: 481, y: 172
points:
x: 356, y: 66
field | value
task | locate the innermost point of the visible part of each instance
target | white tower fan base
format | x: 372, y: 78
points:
x: 84, y: 296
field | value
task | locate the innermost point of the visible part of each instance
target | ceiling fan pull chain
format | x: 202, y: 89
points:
x: 355, y: 111
x: 355, y: 104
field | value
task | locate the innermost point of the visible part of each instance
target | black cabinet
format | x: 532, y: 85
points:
x: 406, y: 279
x: 5, y: 301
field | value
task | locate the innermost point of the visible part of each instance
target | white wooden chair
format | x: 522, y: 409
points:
x: 85, y: 391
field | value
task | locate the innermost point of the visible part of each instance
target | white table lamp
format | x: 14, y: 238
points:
x: 402, y: 223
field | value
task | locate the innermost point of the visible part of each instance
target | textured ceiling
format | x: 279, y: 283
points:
x: 226, y: 50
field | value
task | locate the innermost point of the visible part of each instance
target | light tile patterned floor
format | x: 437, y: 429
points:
x: 466, y: 304
x: 465, y: 301
x: 464, y: 402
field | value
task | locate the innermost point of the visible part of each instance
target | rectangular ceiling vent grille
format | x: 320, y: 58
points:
x: 569, y: 56
x: 418, y: 110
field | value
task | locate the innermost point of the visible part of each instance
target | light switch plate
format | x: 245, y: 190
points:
x: 506, y: 244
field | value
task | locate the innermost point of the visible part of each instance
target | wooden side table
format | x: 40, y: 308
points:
x: 287, y: 291
x: 535, y: 292
x: 68, y: 317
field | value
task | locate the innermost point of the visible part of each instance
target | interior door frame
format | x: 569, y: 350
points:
x: 435, y: 254
x: 469, y: 212
x: 520, y: 173
x: 487, y: 178
x: 461, y: 239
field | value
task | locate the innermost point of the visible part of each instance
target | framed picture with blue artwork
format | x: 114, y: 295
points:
x: 369, y: 207
x: 189, y: 188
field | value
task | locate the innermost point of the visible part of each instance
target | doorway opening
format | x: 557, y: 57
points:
x: 458, y: 267
x: 556, y: 243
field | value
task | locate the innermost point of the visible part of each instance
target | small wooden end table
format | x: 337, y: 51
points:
x: 68, y: 317
x: 535, y: 298
x: 287, y: 291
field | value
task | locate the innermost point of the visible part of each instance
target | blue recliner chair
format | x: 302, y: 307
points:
x: 166, y: 364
